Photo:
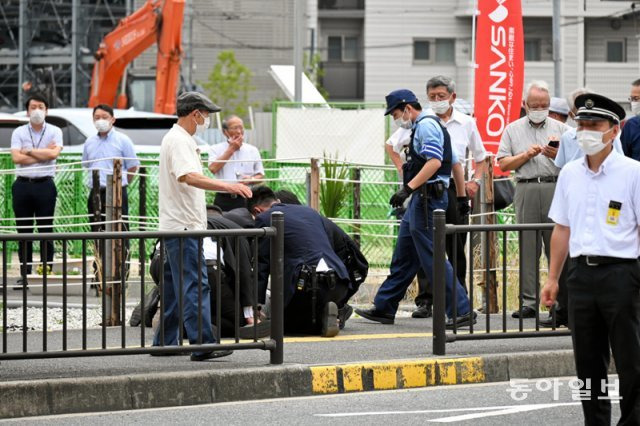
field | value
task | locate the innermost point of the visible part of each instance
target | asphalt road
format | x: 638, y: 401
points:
x: 361, y: 340
x: 486, y: 404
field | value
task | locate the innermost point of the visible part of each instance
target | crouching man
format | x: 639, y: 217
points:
x: 316, y: 281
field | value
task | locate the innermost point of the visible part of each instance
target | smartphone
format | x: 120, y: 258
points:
x: 554, y: 144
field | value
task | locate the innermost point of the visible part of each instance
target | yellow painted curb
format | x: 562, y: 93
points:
x: 396, y: 375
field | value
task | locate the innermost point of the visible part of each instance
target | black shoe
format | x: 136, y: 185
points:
x: 375, y: 315
x: 462, y: 321
x: 20, y: 284
x: 423, y: 311
x: 527, y: 312
x: 330, y: 320
x: 561, y: 321
x: 344, y: 314
x: 262, y: 329
x: 210, y: 355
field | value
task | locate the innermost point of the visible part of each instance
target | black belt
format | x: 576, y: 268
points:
x: 34, y: 180
x: 541, y: 179
x: 602, y: 260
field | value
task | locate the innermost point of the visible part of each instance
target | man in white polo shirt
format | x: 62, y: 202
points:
x: 234, y: 161
x: 596, y: 210
x: 34, y: 149
x: 183, y: 208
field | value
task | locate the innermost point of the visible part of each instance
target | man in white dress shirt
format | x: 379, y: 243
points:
x: 234, y: 161
x: 596, y: 210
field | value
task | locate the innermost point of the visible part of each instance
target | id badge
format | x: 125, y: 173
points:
x: 613, y: 215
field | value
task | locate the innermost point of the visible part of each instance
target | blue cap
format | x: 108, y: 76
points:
x: 399, y: 97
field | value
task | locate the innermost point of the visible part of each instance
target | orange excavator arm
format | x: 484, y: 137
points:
x: 156, y: 20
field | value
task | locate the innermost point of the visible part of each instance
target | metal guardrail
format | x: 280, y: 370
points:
x: 108, y: 336
x: 440, y: 335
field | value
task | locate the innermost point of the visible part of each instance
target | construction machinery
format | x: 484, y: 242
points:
x: 156, y: 21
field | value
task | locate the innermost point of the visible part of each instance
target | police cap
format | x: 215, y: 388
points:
x: 399, y: 97
x: 597, y: 107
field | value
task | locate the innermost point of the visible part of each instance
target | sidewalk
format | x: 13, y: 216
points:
x: 364, y: 356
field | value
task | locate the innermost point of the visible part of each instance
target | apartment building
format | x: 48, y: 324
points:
x: 371, y: 47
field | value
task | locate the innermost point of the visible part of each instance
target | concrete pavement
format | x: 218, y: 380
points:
x: 365, y: 356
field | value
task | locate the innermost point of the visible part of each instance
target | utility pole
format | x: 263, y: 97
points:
x: 557, y: 54
x: 298, y: 44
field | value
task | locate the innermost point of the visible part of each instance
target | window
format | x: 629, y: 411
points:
x: 335, y: 49
x: 350, y: 49
x: 616, y: 51
x: 440, y: 50
x: 532, y: 50
x: 421, y: 50
x: 445, y: 50
x: 343, y: 49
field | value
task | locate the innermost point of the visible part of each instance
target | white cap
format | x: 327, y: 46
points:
x: 559, y: 106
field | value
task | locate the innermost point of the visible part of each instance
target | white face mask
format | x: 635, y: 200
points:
x: 590, y: 141
x: 440, y: 107
x: 36, y: 116
x: 400, y: 122
x: 635, y: 108
x: 102, y: 125
x: 200, y: 128
x: 538, y: 116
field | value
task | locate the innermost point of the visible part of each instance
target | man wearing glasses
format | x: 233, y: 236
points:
x: 630, y: 136
x: 528, y: 147
x: 234, y: 161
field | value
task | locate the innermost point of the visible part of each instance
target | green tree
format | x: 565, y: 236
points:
x: 314, y: 71
x: 229, y: 84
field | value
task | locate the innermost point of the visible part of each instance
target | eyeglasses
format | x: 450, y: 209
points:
x: 234, y: 128
x: 634, y: 98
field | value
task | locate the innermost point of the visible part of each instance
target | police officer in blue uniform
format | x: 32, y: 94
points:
x: 426, y: 173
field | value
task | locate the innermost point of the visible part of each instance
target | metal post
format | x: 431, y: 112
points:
x: 95, y: 199
x: 107, y: 265
x: 439, y: 287
x: 298, y: 44
x: 142, y: 211
x: 277, y: 287
x: 557, y: 47
x: 22, y: 48
x: 74, y: 51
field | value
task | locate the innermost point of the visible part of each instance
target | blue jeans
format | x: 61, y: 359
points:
x: 189, y: 293
x: 414, y: 249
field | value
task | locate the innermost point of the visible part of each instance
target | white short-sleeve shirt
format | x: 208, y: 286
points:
x: 182, y: 207
x: 601, y: 209
x: 245, y: 161
x: 398, y: 140
x: 464, y: 135
x: 25, y: 137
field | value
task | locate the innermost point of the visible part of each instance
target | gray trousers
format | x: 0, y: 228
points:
x: 532, y: 202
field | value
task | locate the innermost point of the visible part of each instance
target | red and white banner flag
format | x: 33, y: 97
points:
x: 499, y: 70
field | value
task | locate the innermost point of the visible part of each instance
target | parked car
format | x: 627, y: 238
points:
x: 8, y: 122
x: 146, y: 129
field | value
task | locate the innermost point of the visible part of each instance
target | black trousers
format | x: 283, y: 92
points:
x: 228, y: 311
x: 228, y: 202
x: 33, y: 199
x: 425, y: 294
x: 298, y: 317
x: 604, y: 312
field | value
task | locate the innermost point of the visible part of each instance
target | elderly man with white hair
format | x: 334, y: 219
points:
x: 525, y: 148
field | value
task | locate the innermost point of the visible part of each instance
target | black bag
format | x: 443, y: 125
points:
x: 503, y: 191
x: 151, y: 300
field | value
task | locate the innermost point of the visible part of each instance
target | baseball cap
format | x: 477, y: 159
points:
x: 399, y: 97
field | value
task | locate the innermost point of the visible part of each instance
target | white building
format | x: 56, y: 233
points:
x: 372, y: 47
